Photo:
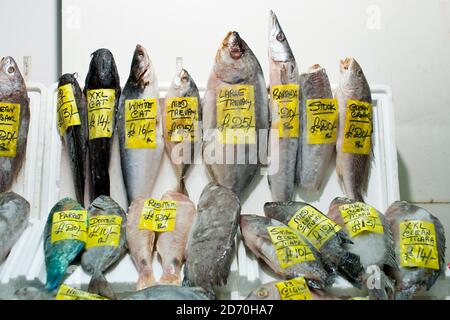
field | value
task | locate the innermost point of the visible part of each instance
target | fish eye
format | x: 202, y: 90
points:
x: 280, y: 36
x: 262, y: 293
x: 184, y: 78
x: 11, y: 69
x: 359, y: 73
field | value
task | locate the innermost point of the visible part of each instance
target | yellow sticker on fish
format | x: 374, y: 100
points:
x: 140, y: 123
x: 286, y: 97
x: 158, y: 216
x: 321, y: 120
x: 294, y: 289
x: 236, y: 114
x: 418, y: 246
x: 67, y: 293
x: 290, y: 248
x: 104, y: 231
x: 9, y: 128
x: 359, y: 217
x: 69, y: 225
x: 100, y: 103
x: 182, y: 118
x: 67, y: 110
x: 358, y: 127
x: 313, y: 225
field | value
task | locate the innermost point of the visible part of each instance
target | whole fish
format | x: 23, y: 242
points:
x: 142, y: 156
x: 283, y: 71
x: 182, y: 152
x: 381, y: 244
x: 212, y: 239
x: 314, y: 159
x: 171, y: 245
x: 169, y: 292
x: 235, y: 64
x: 75, y: 137
x: 352, y: 169
x: 332, y: 251
x: 102, y: 75
x: 257, y: 238
x: 99, y: 258
x: 411, y: 226
x: 13, y: 91
x: 269, y: 291
x: 59, y: 254
x: 14, y: 215
x: 140, y: 244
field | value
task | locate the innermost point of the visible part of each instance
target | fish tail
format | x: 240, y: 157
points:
x: 99, y: 285
x: 350, y: 266
x: 170, y: 278
x: 53, y: 280
x: 145, y: 280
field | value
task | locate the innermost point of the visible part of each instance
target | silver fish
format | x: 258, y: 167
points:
x: 269, y: 291
x: 169, y: 292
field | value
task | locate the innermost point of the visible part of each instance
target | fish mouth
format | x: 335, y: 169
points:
x: 346, y: 64
x: 314, y: 68
x: 140, y: 52
x: 234, y: 43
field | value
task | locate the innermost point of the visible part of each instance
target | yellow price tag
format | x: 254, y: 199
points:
x: 313, y: 225
x: 67, y: 110
x: 290, y: 248
x: 182, y: 118
x: 286, y: 97
x: 236, y: 114
x: 104, y: 231
x: 67, y: 293
x: 140, y: 123
x: 100, y: 104
x: 321, y: 120
x: 358, y: 127
x: 359, y: 217
x: 418, y: 247
x: 359, y: 298
x: 9, y: 128
x: 294, y: 289
x: 158, y: 216
x: 69, y: 225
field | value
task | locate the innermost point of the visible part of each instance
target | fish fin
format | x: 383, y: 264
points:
x: 99, y: 285
x: 344, y: 237
x: 146, y: 279
x: 350, y: 266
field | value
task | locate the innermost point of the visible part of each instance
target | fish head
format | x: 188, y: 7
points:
x: 353, y: 78
x: 10, y: 76
x: 102, y: 64
x: 141, y: 70
x: 184, y: 84
x: 279, y: 49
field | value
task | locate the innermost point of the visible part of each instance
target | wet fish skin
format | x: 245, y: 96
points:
x: 269, y: 291
x: 171, y: 245
x: 102, y: 75
x: 140, y: 166
x: 60, y: 254
x: 14, y: 216
x: 169, y: 292
x: 13, y: 90
x: 411, y: 281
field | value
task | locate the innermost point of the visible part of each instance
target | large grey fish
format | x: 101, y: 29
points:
x: 13, y: 91
x: 75, y: 137
x: 169, y: 292
x: 212, y: 239
x: 256, y: 237
x: 181, y: 153
x: 96, y: 260
x: 102, y: 75
x: 381, y: 244
x: 332, y: 250
x: 314, y: 159
x: 140, y: 164
x: 416, y: 240
x: 269, y: 291
x: 283, y: 71
x: 14, y: 215
x: 235, y: 64
x: 352, y: 169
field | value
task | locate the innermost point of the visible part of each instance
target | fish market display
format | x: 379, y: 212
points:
x: 171, y: 245
x: 72, y: 126
x: 288, y: 254
x: 372, y: 240
x: 169, y: 292
x: 285, y: 97
x: 139, y: 127
x: 419, y: 248
x: 65, y: 235
x: 14, y: 215
x: 102, y: 90
x: 15, y: 112
x: 105, y: 243
x: 235, y: 116
x: 212, y: 239
x: 354, y: 139
x: 182, y: 116
x: 318, y: 128
x: 323, y: 234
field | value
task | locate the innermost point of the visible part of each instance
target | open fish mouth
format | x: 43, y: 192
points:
x: 346, y: 63
x: 234, y: 43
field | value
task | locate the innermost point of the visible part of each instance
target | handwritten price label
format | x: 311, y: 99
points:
x: 313, y: 225
x: 285, y: 97
x: 104, y: 231
x: 290, y: 248
x: 140, y: 123
x: 67, y: 111
x: 236, y: 114
x: 359, y: 217
x: 158, y: 216
x: 67, y: 293
x: 101, y: 112
x: 321, y: 120
x: 69, y: 225
x: 294, y: 289
x: 182, y: 118
x: 358, y: 127
x: 9, y: 128
x: 418, y: 247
